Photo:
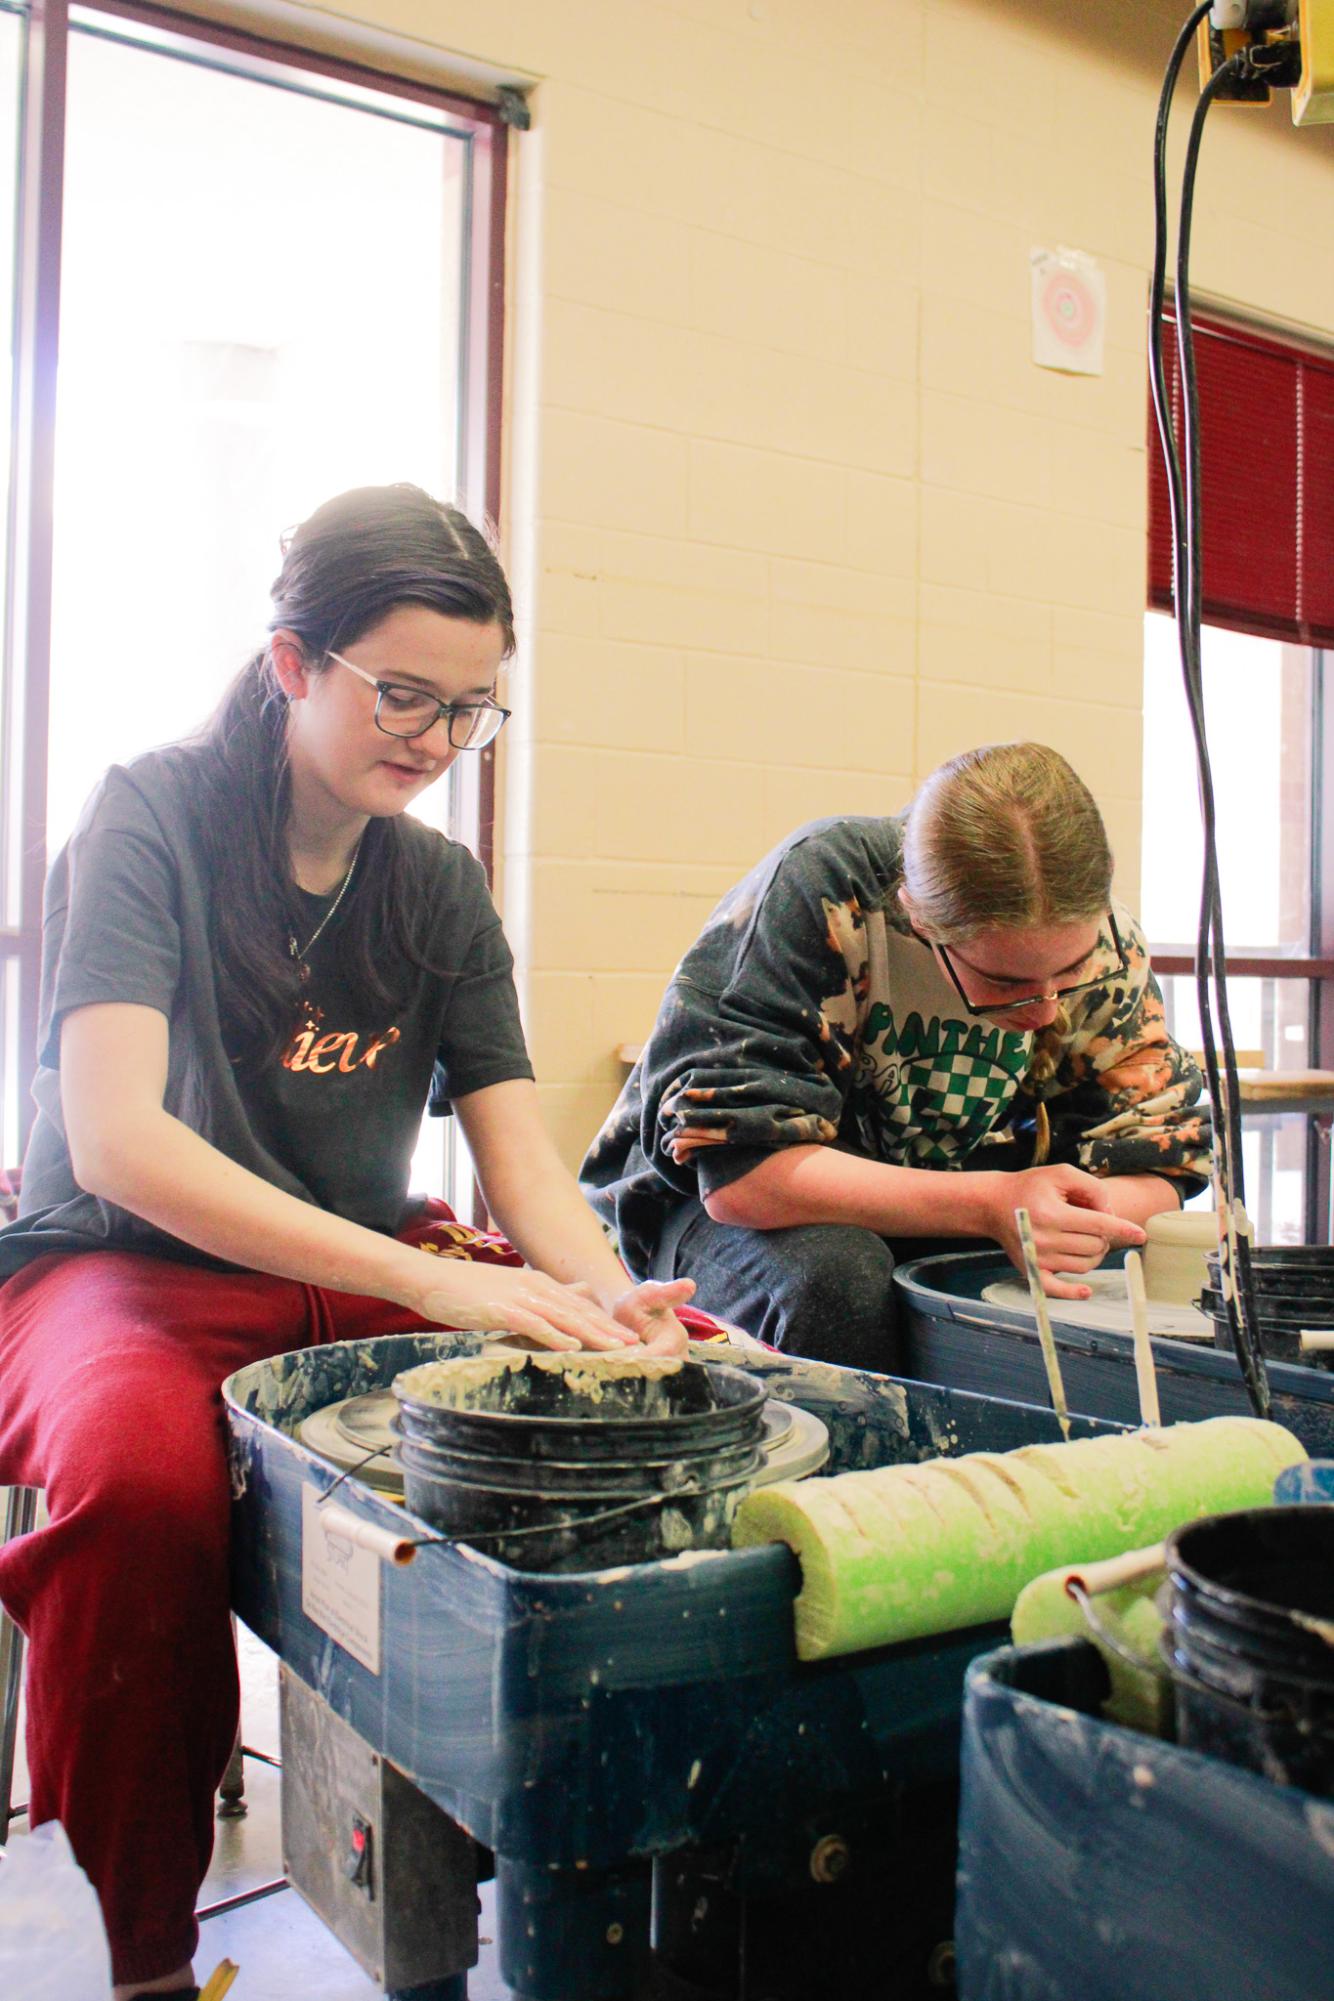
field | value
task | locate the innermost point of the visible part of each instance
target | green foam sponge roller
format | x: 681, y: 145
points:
x: 905, y: 1551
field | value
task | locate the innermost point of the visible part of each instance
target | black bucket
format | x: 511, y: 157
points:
x: 1281, y: 1320
x: 1250, y: 1641
x: 573, y: 1467
x: 1290, y: 1271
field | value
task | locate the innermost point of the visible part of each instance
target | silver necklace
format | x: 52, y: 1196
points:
x: 301, y: 953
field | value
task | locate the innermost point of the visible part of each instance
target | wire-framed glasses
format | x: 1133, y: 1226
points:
x: 1110, y: 969
x: 407, y: 712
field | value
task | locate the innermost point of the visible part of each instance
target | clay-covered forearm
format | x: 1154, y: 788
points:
x: 153, y: 1166
x: 532, y: 1194
x: 548, y: 1221
x: 822, y: 1184
x: 127, y: 1149
x: 1136, y: 1197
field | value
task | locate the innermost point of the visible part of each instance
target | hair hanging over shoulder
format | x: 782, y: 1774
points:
x: 1001, y: 838
x: 344, y: 570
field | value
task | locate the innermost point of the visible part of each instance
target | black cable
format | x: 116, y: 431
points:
x: 1181, y: 564
x: 1172, y: 463
x: 1194, y: 593
x: 1184, y: 504
x: 1167, y: 439
x: 1157, y: 380
x: 1239, y: 1294
x: 1166, y: 428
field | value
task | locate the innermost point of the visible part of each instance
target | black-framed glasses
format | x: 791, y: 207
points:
x: 1110, y: 971
x: 407, y: 712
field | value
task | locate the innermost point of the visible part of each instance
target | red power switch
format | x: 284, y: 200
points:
x: 357, y: 1863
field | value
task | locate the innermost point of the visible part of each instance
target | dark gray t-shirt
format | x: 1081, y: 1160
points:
x: 335, y: 1120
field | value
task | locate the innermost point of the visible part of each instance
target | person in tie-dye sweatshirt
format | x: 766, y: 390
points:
x: 902, y: 1029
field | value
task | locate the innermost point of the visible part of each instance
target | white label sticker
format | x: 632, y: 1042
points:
x: 340, y: 1584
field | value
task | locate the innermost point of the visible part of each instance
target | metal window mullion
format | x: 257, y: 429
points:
x: 1320, y: 1169
x: 29, y: 521
x: 481, y: 400
x: 483, y: 384
x: 268, y: 49
x: 226, y: 65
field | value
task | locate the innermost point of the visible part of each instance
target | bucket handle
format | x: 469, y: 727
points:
x: 1085, y: 1585
x: 1092, y: 1580
x: 549, y: 1528
x: 405, y: 1544
x: 1113, y: 1642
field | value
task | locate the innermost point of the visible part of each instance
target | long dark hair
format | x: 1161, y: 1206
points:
x: 344, y: 570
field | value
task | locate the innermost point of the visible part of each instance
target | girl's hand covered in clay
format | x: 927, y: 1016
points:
x: 1074, y: 1225
x: 498, y: 1299
x: 649, y: 1311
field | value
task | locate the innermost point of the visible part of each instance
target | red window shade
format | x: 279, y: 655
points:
x: 1267, y: 484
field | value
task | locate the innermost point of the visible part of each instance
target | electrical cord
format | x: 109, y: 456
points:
x: 1234, y: 1250
x: 1183, y: 485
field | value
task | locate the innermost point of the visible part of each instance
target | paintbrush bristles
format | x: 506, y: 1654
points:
x: 1045, y: 1335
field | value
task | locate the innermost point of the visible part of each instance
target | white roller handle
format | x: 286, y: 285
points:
x: 1145, y: 1377
x: 1046, y: 1339
x: 1316, y: 1340
x: 390, y: 1548
x: 1114, y: 1571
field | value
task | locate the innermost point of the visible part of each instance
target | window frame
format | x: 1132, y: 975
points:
x: 1267, y: 340
x: 25, y: 650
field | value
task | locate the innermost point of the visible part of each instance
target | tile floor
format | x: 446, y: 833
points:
x: 283, y: 1950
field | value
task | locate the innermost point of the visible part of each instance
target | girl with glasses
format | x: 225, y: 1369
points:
x: 904, y: 1029
x: 259, y: 971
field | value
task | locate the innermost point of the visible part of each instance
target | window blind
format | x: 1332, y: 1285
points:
x: 1267, y: 484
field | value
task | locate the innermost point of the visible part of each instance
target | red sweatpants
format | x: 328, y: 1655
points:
x: 110, y: 1364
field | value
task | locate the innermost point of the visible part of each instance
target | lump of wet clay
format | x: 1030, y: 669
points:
x: 557, y: 1383
x: 1174, y: 1254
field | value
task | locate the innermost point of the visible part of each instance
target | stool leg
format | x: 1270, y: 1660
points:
x: 231, y: 1793
x: 20, y: 1515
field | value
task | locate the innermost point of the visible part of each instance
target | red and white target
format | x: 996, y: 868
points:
x: 1069, y: 311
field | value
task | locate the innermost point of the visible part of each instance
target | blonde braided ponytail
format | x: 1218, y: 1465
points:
x: 1042, y: 1068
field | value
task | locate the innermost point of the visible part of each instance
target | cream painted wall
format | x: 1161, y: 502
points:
x: 792, y: 515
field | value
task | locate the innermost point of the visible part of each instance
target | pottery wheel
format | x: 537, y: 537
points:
x: 795, y: 1441
x: 1107, y: 1311
x: 345, y: 1432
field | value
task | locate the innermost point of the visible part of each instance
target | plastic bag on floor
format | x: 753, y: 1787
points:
x: 53, y: 1946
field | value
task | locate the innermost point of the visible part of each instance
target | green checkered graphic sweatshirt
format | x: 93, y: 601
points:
x: 808, y: 1013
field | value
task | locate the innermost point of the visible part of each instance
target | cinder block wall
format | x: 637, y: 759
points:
x: 791, y: 512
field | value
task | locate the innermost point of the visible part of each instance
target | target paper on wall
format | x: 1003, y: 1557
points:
x: 1069, y: 311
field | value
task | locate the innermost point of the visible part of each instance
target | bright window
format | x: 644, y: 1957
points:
x: 1260, y: 710
x: 277, y: 282
x: 261, y: 306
